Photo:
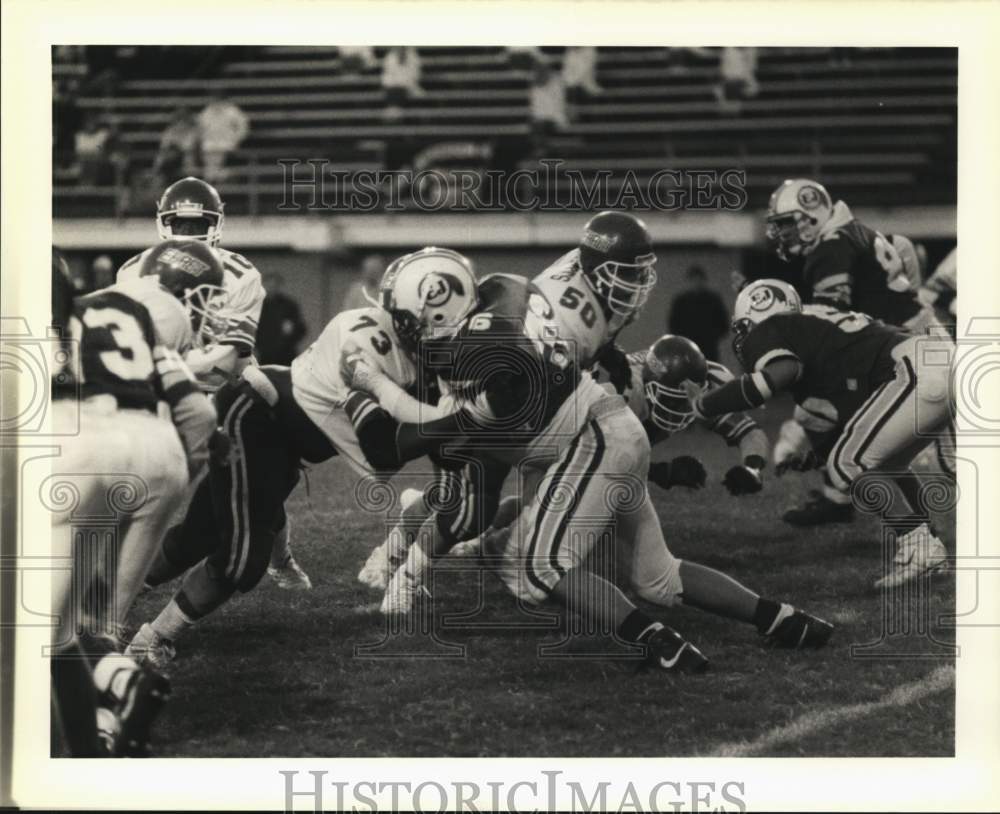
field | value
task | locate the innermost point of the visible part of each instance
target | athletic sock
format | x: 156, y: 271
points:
x: 281, y: 551
x: 172, y: 621
x: 637, y: 626
x: 765, y: 614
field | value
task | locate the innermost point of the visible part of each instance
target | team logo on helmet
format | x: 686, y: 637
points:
x: 810, y: 197
x: 762, y: 299
x: 598, y: 242
x: 654, y: 364
x: 436, y: 288
x: 183, y: 261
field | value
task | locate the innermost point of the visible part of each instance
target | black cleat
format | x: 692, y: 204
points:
x: 147, y: 692
x: 818, y: 511
x: 667, y: 650
x: 795, y: 629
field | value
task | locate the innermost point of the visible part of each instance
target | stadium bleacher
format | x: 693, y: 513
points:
x: 880, y: 126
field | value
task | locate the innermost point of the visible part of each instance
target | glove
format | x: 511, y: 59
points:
x: 219, y: 448
x: 615, y: 361
x: 743, y: 480
x: 683, y: 471
x: 358, y: 371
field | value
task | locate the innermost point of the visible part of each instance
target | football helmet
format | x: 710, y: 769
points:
x: 428, y: 293
x: 192, y: 272
x: 758, y: 301
x: 617, y: 260
x: 670, y: 361
x: 190, y: 208
x: 795, y: 214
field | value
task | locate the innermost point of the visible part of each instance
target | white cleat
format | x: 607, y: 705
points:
x: 401, y: 594
x: 378, y: 568
x: 147, y: 646
x: 290, y: 576
x: 919, y: 552
x: 470, y: 548
x: 375, y: 572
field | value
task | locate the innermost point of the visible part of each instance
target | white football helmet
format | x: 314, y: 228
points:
x: 428, y: 293
x: 797, y: 211
x: 761, y: 300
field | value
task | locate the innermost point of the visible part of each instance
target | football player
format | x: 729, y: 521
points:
x: 585, y: 455
x: 192, y: 209
x: 849, y: 266
x: 277, y: 417
x: 593, y: 292
x: 884, y: 391
x: 125, y: 360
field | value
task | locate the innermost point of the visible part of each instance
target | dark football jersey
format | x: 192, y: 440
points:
x: 114, y: 338
x: 845, y: 356
x: 496, y: 358
x: 856, y: 268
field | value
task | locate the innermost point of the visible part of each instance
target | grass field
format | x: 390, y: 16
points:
x: 277, y: 673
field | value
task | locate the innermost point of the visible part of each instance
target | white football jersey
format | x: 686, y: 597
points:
x: 576, y: 312
x: 244, y: 296
x: 316, y: 373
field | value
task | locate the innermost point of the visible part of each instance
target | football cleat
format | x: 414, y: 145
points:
x: 796, y: 629
x: 918, y: 552
x: 468, y: 548
x: 290, y: 576
x: 386, y: 558
x: 147, y: 692
x: 147, y: 646
x: 667, y: 650
x: 818, y: 511
x: 401, y: 594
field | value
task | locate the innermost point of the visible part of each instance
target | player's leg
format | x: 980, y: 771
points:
x: 248, y: 493
x: 885, y: 434
x: 283, y: 567
x: 661, y: 579
x: 463, y: 504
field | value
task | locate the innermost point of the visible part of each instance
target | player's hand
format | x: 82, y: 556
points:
x: 358, y: 371
x: 615, y: 361
x: 743, y: 480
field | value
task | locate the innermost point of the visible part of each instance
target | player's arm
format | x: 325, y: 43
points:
x: 749, y: 391
x: 191, y: 411
x: 828, y: 273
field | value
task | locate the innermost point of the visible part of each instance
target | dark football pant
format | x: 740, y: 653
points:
x: 238, y: 508
x: 465, y: 497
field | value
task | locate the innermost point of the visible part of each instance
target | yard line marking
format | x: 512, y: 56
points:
x: 940, y: 679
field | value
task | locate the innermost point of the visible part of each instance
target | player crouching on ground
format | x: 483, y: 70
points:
x: 888, y: 390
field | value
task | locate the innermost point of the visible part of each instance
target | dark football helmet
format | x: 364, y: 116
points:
x: 192, y: 272
x: 191, y: 209
x: 616, y: 256
x: 669, y: 362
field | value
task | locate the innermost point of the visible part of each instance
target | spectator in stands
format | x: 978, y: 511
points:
x: 737, y: 78
x: 548, y: 101
x: 372, y: 268
x: 400, y: 79
x: 180, y: 146
x: 700, y: 314
x: 92, y: 153
x: 223, y: 126
x: 102, y: 272
x: 357, y: 58
x: 579, y: 73
x: 281, y: 326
